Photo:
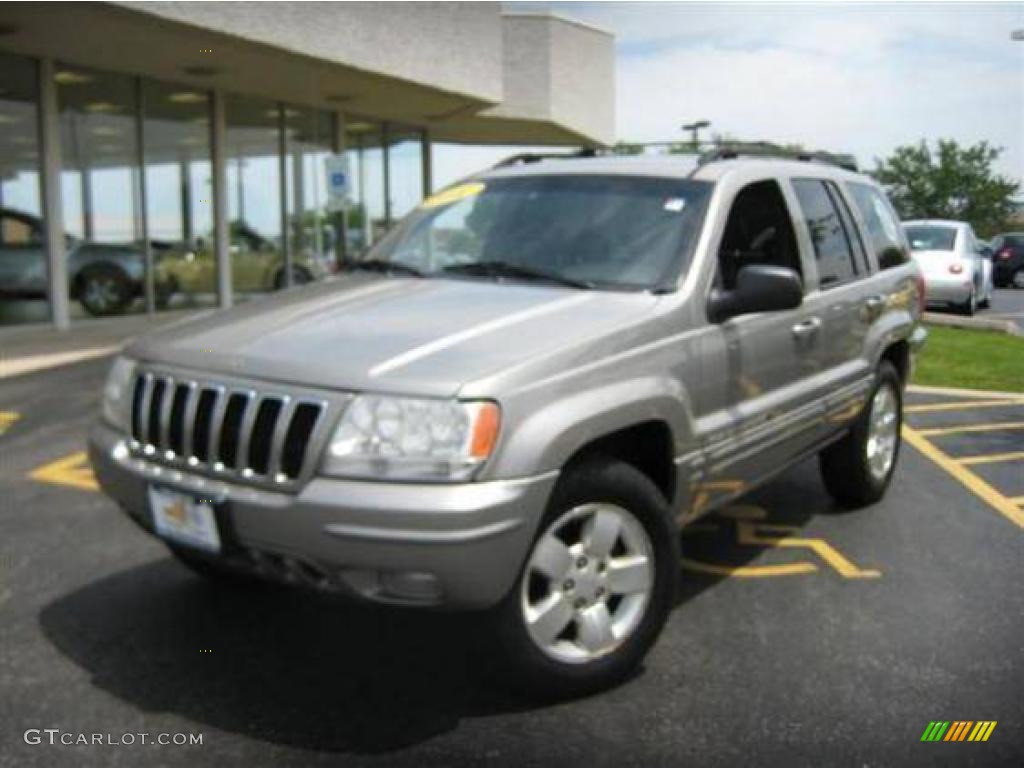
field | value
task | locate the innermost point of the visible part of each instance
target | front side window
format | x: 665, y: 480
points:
x: 759, y: 230
x: 613, y: 232
x: 883, y: 226
x: 832, y: 248
x: 931, y: 237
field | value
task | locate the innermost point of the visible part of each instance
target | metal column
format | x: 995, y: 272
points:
x: 426, y: 152
x: 386, y: 164
x: 282, y: 186
x: 340, y: 217
x: 142, y: 214
x: 53, y: 214
x: 221, y: 239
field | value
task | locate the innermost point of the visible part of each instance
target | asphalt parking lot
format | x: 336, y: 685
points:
x: 804, y: 635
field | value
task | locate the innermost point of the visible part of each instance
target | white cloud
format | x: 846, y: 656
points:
x: 860, y: 78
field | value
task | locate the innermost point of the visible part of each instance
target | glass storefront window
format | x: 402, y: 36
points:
x: 366, y: 222
x: 179, y: 193
x: 100, y: 190
x: 405, y: 166
x: 23, y: 261
x: 311, y: 231
x: 254, y: 195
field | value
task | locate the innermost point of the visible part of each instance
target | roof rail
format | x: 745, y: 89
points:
x: 765, y: 149
x: 536, y: 157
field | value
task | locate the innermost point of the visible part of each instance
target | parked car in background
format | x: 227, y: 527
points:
x: 257, y: 265
x: 105, y: 278
x: 1008, y: 259
x: 955, y: 270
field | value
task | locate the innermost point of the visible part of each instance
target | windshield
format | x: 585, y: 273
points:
x: 931, y: 237
x: 612, y: 232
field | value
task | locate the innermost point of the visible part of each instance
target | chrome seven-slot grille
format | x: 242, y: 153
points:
x: 224, y: 428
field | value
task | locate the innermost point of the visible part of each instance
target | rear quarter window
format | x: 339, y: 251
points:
x: 882, y: 224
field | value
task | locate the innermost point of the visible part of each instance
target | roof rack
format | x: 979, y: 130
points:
x: 535, y: 157
x: 765, y: 149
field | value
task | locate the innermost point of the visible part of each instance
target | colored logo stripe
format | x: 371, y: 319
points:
x: 958, y: 730
x: 934, y: 731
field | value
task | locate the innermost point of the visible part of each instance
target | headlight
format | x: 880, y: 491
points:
x: 117, y: 394
x: 412, y: 439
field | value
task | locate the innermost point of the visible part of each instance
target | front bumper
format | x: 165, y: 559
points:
x: 458, y: 546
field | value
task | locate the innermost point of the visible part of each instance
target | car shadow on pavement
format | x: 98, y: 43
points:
x: 301, y: 669
x: 273, y: 663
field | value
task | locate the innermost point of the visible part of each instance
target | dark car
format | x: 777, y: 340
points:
x: 1008, y: 260
x: 105, y: 278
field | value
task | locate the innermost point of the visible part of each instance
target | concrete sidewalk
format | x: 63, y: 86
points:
x: 24, y: 349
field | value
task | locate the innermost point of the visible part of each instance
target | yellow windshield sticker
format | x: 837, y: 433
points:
x: 453, y: 195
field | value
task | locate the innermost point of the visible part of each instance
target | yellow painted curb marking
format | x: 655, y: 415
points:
x: 750, y: 531
x: 974, y: 484
x: 453, y: 195
x: 971, y: 428
x: 960, y: 405
x: 73, y: 470
x: 990, y: 458
x: 7, y: 418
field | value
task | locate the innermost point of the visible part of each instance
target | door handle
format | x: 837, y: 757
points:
x: 806, y: 328
x: 875, y: 303
x: 873, y: 306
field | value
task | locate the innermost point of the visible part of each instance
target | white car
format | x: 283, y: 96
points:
x: 955, y: 270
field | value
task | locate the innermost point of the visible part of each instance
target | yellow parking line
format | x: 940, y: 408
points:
x: 7, y: 418
x: 1005, y: 425
x: 73, y: 470
x: 1018, y: 500
x: 971, y: 481
x: 749, y: 571
x: 991, y: 458
x: 960, y: 405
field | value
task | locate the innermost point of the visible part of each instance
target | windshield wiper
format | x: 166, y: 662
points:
x: 505, y: 269
x: 386, y: 267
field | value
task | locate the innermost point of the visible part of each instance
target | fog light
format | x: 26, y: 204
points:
x: 411, y: 585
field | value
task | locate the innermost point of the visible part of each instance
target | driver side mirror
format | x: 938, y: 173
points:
x: 759, y: 288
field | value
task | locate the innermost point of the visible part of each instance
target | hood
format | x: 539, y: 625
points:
x: 391, y: 334
x: 937, y: 263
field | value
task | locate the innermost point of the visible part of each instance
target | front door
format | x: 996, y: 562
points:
x: 756, y: 415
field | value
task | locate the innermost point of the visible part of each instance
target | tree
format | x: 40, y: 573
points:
x: 627, y: 148
x: 954, y: 182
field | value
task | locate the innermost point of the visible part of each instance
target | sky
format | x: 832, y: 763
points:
x: 860, y: 78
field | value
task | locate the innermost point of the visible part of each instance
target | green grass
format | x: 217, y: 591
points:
x: 957, y: 357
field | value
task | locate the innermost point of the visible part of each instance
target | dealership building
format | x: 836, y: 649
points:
x: 163, y: 155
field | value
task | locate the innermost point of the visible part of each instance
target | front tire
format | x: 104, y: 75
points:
x: 857, y: 470
x: 597, y: 586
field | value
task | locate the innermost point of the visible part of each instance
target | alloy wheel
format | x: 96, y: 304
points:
x: 883, y: 431
x: 587, y: 583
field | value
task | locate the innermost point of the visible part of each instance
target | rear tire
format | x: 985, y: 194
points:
x: 855, y: 470
x: 970, y: 306
x: 604, y: 516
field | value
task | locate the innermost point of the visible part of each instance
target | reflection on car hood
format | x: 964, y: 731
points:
x: 388, y: 334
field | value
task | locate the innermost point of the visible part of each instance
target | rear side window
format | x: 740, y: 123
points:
x: 833, y: 250
x: 883, y: 227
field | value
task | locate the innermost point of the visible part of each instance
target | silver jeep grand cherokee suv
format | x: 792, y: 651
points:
x: 525, y: 390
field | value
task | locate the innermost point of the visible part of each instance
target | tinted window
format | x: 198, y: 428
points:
x: 883, y: 227
x: 852, y: 234
x: 611, y: 231
x: 832, y: 249
x: 931, y: 237
x: 759, y: 230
